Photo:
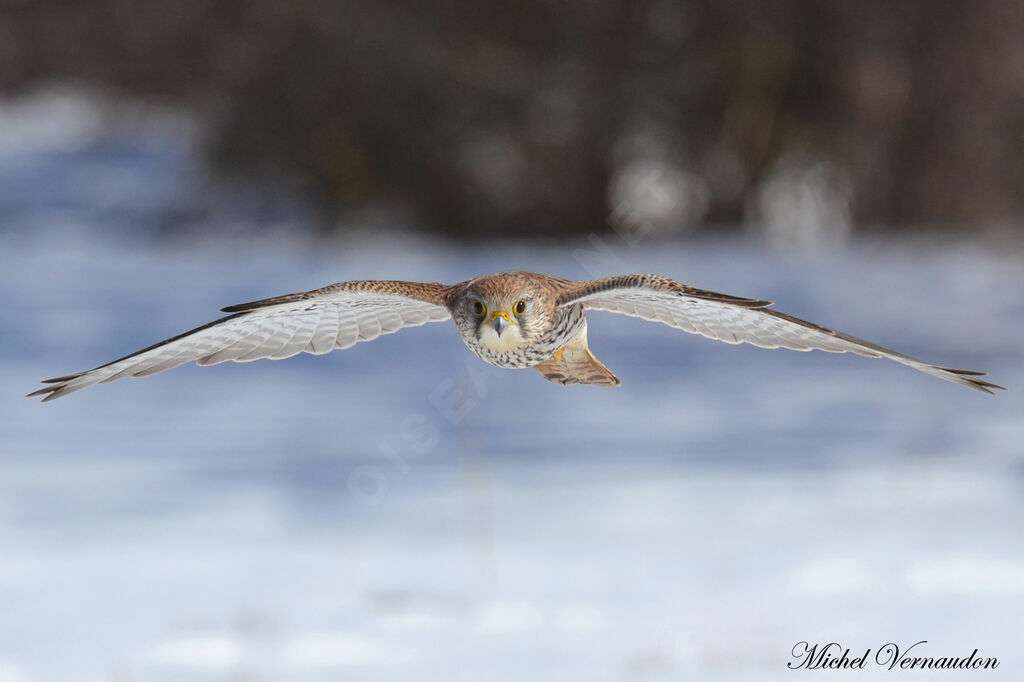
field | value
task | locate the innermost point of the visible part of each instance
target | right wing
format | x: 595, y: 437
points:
x: 337, y: 316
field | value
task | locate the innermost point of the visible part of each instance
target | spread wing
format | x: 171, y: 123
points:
x: 736, y: 320
x: 336, y: 316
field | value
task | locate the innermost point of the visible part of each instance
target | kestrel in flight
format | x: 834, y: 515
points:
x: 510, y: 319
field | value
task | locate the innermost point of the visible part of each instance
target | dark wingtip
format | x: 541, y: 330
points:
x: 969, y: 377
x: 263, y: 303
x: 963, y: 372
x: 986, y: 385
x: 245, y: 307
x: 738, y: 301
x: 53, y: 391
x: 57, y: 380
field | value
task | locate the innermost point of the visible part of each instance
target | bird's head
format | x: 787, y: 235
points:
x: 504, y: 311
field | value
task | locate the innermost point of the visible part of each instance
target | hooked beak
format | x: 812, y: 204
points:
x: 499, y: 320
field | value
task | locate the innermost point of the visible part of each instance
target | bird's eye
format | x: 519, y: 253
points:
x: 520, y: 307
x: 479, y: 308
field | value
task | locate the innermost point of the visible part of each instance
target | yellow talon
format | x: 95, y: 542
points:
x: 557, y: 355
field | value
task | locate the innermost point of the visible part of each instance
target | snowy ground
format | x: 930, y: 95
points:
x: 400, y: 511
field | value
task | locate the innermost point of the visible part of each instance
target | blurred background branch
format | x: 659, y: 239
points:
x: 541, y: 117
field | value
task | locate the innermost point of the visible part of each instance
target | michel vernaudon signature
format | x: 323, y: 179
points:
x: 889, y: 656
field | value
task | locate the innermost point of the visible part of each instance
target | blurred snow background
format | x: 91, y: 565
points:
x: 402, y: 511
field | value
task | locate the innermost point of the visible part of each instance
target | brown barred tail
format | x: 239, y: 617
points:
x: 575, y: 364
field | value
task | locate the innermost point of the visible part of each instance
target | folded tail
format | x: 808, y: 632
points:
x: 575, y: 364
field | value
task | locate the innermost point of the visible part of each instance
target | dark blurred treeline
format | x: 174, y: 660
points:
x: 536, y: 115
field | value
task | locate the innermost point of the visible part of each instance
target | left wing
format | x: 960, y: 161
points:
x: 736, y: 320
